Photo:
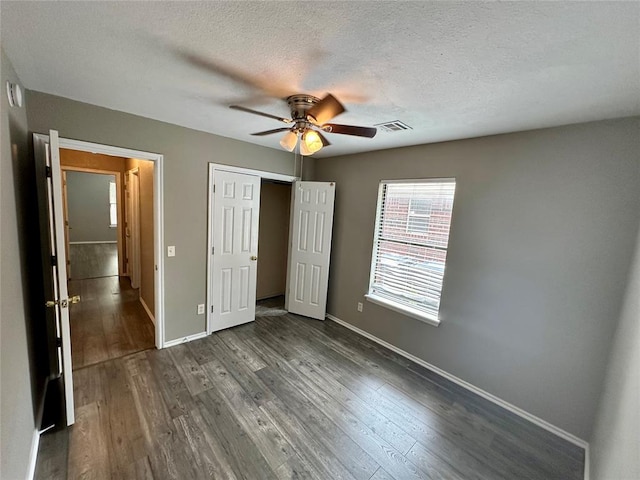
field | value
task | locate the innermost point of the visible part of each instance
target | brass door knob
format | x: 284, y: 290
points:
x: 254, y: 258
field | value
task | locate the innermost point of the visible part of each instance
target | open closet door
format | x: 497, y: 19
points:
x: 51, y: 211
x: 236, y: 209
x: 310, y: 248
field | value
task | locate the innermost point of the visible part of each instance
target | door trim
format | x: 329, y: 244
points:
x: 134, y: 269
x: 213, y: 167
x: 158, y: 212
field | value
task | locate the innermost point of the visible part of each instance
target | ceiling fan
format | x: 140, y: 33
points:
x: 309, y: 117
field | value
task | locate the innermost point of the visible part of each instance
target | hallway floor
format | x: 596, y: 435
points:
x: 93, y: 260
x: 109, y: 322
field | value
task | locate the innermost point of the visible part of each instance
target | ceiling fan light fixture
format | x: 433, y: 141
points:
x: 289, y: 141
x: 311, y: 142
x: 309, y: 116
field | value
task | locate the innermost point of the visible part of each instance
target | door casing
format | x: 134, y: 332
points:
x: 132, y: 232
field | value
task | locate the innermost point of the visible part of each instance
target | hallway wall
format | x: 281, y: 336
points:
x: 88, y: 207
x: 147, y: 248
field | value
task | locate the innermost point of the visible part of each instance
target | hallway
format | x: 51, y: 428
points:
x: 109, y: 322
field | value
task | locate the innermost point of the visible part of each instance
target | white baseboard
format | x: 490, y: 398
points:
x: 33, y: 454
x: 93, y: 242
x: 147, y: 309
x: 478, y: 391
x: 190, y: 338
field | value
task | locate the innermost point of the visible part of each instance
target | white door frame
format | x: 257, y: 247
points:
x: 134, y: 268
x: 264, y: 175
x: 158, y: 212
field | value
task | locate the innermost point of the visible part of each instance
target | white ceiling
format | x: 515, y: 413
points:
x: 449, y: 70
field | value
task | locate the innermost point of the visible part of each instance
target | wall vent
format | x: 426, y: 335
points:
x: 393, y: 126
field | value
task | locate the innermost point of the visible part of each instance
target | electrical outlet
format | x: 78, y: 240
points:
x: 171, y: 251
x: 359, y: 306
x: 201, y: 309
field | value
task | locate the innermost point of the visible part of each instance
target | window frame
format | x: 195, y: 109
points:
x: 383, y: 301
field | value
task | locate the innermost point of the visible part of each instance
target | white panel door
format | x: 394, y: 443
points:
x: 47, y: 155
x: 310, y: 248
x: 236, y: 207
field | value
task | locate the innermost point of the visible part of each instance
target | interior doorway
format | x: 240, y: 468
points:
x: 233, y: 232
x: 56, y: 284
x: 92, y: 224
x: 236, y: 217
x: 106, y: 200
x: 273, y: 241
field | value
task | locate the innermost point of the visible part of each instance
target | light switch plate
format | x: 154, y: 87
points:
x: 201, y: 309
x: 171, y: 251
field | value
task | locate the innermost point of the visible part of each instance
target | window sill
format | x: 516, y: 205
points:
x: 403, y: 309
x: 113, y: 226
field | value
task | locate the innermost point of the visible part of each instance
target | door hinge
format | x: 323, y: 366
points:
x: 212, y: 250
x: 211, y: 308
x: 47, y: 171
x: 54, y: 261
x: 58, y: 342
x: 214, y: 188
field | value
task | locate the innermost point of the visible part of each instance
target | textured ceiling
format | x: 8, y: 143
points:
x: 449, y: 70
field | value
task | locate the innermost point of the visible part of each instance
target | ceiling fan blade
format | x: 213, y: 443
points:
x: 368, y: 132
x: 326, y: 109
x: 262, y: 114
x: 270, y: 88
x: 269, y: 132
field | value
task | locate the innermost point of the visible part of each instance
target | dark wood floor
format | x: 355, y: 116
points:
x: 93, y: 260
x: 109, y: 322
x: 287, y: 397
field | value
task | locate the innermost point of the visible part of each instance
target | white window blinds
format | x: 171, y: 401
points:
x: 410, y: 245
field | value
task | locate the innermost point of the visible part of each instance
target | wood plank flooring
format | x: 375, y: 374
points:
x: 286, y: 397
x: 93, y: 260
x: 109, y: 322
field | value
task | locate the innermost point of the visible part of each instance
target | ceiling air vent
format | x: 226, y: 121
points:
x: 393, y: 126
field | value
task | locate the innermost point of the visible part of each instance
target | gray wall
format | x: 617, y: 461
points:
x: 186, y: 153
x: 543, y: 230
x: 18, y: 388
x: 88, y: 207
x: 616, y: 441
